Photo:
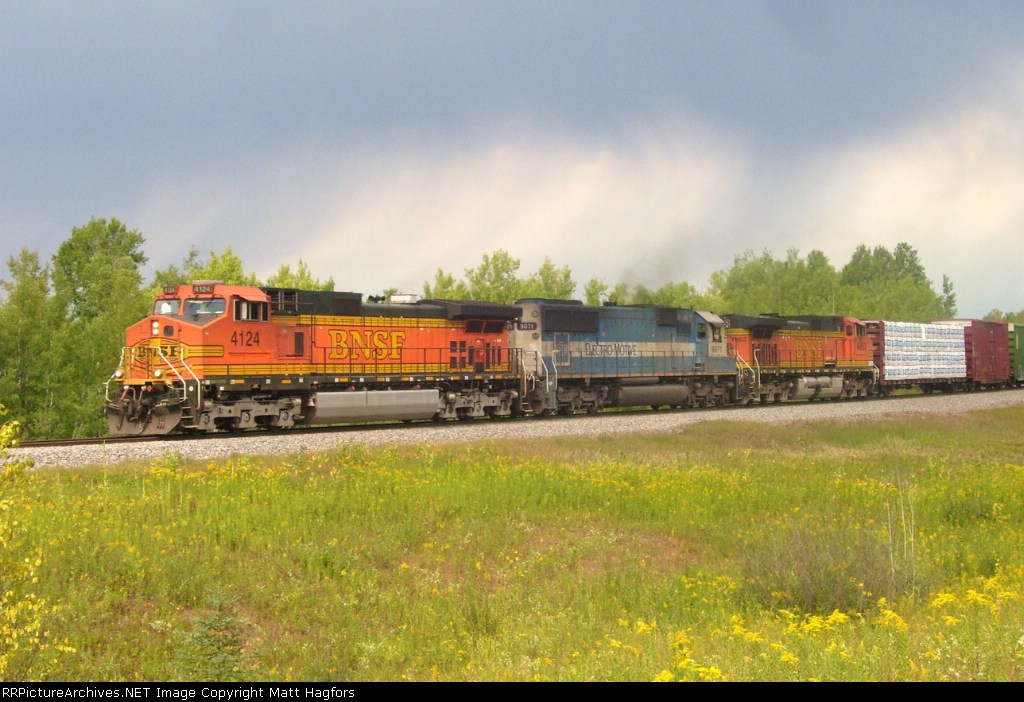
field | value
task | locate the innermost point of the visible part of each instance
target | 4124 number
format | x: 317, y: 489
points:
x: 246, y: 338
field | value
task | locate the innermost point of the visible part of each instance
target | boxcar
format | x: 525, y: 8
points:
x: 1014, y: 333
x: 986, y: 352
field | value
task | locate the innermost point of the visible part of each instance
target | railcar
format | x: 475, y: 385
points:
x: 946, y: 355
x: 800, y: 357
x: 215, y: 356
x: 577, y: 357
x: 986, y: 352
x: 1014, y: 334
x: 913, y: 354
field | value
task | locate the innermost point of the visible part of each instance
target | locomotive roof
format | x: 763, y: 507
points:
x: 467, y: 309
x: 763, y: 321
x: 821, y: 322
x: 290, y: 301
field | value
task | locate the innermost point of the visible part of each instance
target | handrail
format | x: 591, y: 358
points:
x: 548, y: 382
x: 106, y: 385
x: 184, y: 383
x: 756, y: 371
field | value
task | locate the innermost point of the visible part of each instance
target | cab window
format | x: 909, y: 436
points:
x: 167, y: 307
x: 205, y: 306
x: 246, y: 311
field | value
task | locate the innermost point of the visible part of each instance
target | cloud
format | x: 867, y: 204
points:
x: 952, y: 187
x: 664, y: 201
x: 391, y: 216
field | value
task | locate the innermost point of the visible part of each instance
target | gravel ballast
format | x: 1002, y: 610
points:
x: 289, y: 442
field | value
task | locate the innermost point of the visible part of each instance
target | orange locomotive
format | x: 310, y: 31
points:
x: 800, y: 358
x: 216, y: 356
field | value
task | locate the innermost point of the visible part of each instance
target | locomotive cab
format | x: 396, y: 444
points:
x: 158, y: 384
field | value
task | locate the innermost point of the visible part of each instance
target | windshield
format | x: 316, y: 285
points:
x: 167, y: 307
x: 206, y: 305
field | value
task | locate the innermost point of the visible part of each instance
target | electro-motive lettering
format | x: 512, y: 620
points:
x: 609, y: 349
x: 366, y: 345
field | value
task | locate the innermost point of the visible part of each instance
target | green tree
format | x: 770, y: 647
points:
x: 97, y: 287
x: 549, y: 282
x: 867, y: 267
x: 495, y: 279
x: 445, y: 287
x: 225, y: 267
x: 172, y: 275
x: 812, y: 284
x: 97, y: 266
x: 997, y: 315
x: 301, y: 278
x: 619, y: 295
x: 29, y: 323
x: 675, y: 295
x: 948, y: 298
x: 594, y: 291
x: 907, y: 264
x: 879, y: 284
x: 752, y: 285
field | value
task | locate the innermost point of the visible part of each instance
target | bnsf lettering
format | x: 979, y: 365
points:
x: 246, y: 338
x: 810, y: 346
x: 167, y: 350
x: 369, y: 345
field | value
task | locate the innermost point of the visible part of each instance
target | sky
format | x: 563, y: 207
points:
x: 640, y: 142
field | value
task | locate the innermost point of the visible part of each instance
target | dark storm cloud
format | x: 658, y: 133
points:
x: 202, y: 77
x: 200, y: 117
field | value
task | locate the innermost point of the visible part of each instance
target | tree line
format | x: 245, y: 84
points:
x: 62, y: 321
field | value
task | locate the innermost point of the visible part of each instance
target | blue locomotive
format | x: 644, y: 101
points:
x: 576, y: 357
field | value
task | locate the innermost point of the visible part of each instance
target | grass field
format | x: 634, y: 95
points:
x: 889, y: 550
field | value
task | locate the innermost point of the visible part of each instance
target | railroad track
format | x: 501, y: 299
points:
x: 425, y: 426
x: 66, y: 443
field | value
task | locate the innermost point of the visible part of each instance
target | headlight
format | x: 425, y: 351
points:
x: 156, y: 327
x: 158, y: 373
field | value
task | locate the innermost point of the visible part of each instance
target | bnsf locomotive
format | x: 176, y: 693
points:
x: 213, y: 356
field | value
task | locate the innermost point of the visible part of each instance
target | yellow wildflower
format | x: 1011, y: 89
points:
x: 942, y: 599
